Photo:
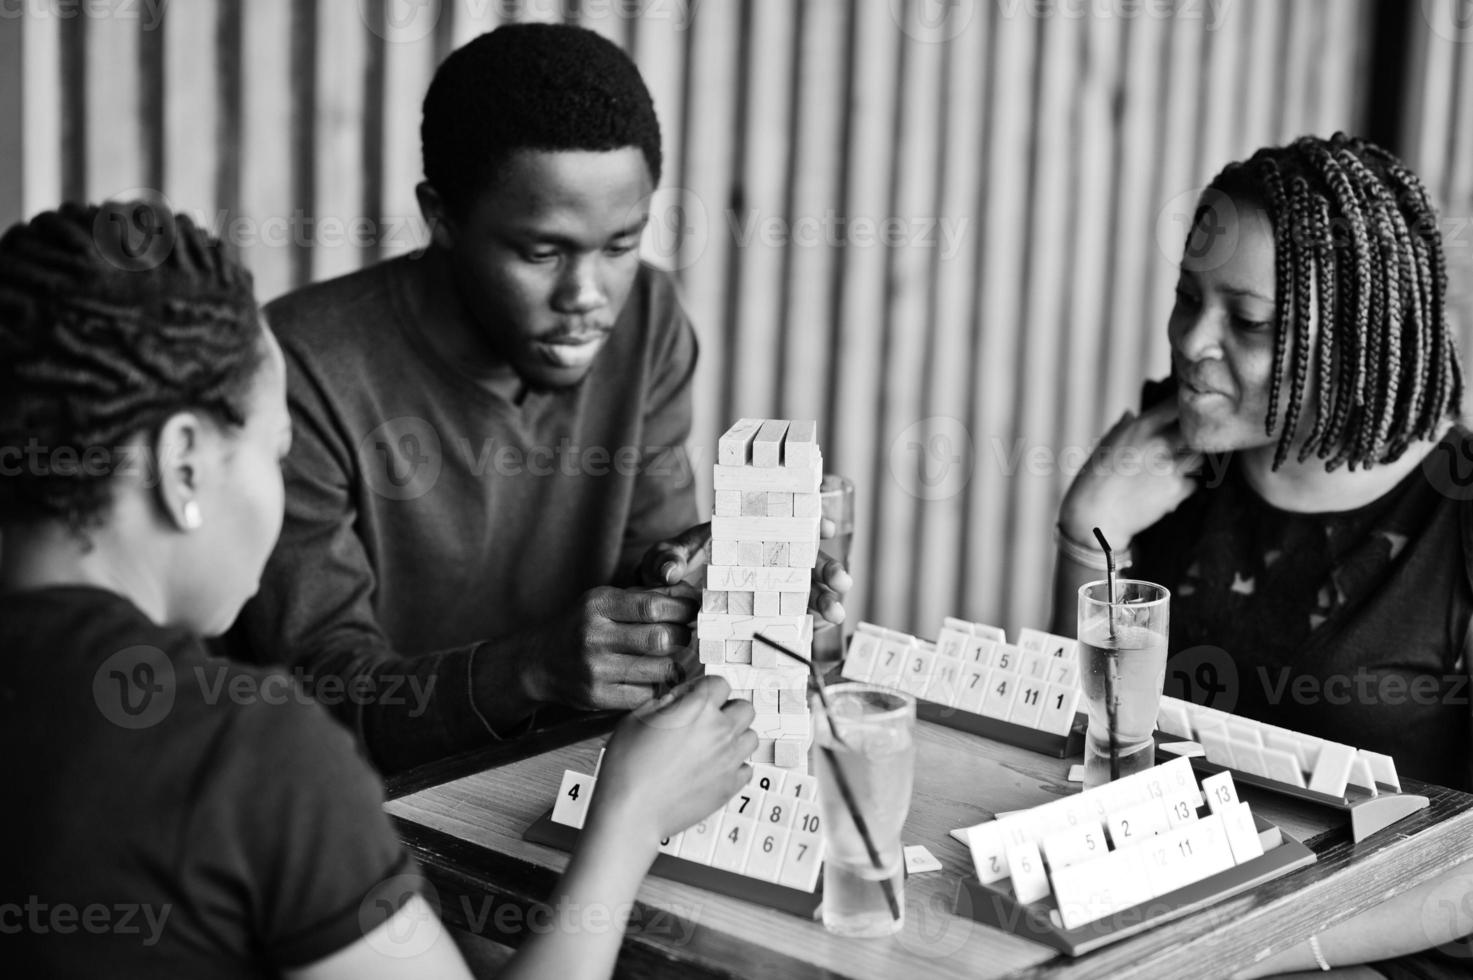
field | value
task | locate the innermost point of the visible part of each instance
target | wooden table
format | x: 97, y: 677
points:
x: 466, y: 833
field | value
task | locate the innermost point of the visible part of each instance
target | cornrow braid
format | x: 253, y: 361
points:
x: 1297, y: 218
x: 101, y: 341
x: 1354, y: 224
x: 1278, y: 206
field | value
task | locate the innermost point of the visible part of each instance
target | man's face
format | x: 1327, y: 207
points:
x: 545, y: 257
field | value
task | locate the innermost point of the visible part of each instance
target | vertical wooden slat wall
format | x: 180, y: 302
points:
x: 947, y: 231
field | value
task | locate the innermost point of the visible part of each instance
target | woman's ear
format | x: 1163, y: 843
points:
x: 432, y: 207
x: 178, y: 454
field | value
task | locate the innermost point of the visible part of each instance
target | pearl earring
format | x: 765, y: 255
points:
x: 191, y: 516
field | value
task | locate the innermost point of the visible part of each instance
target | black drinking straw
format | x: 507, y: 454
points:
x: 1112, y: 661
x: 850, y: 803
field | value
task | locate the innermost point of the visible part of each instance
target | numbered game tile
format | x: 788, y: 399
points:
x: 1025, y: 867
x: 1028, y: 704
x: 769, y: 847
x: 1002, y: 687
x: 699, y: 841
x: 733, y: 843
x: 973, y: 688
x: 571, y: 806
x: 942, y: 688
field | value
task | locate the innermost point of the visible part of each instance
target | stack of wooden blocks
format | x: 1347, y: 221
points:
x: 764, y: 544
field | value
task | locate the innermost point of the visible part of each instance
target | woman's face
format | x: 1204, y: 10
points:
x: 240, y: 496
x: 1222, y: 331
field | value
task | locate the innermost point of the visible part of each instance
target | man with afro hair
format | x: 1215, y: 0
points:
x: 489, y: 505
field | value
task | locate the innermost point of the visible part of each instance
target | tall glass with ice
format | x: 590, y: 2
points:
x: 866, y: 761
x: 1122, y: 665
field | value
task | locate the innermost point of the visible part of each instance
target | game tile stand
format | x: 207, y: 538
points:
x: 1024, y: 694
x: 1090, y: 869
x: 1364, y: 784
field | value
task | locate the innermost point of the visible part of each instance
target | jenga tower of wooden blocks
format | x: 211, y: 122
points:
x: 764, y: 543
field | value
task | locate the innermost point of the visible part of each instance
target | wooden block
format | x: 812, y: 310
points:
x: 775, y: 554
x: 916, y: 673
x: 722, y: 553
x: 800, y: 448
x: 767, y: 657
x: 754, y: 577
x: 767, y: 700
x: 791, y: 631
x: 1282, y: 766
x: 864, y: 648
x: 1025, y: 865
x: 1241, y: 832
x: 713, y: 601
x: 952, y: 639
x: 785, y: 479
x: 973, y: 688
x: 1383, y: 769
x: 754, y: 503
x: 739, y: 603
x: 802, y: 554
x: 748, y: 553
x: 790, y: 752
x: 1133, y: 824
x: 793, y: 701
x: 1085, y: 842
x: 1002, y: 687
x: 737, y: 652
x: 1027, y: 706
x: 797, y: 530
x: 745, y: 677
x: 764, y: 751
x: 1220, y: 792
x: 733, y: 843
x: 570, y: 807
x: 699, y: 841
x: 713, y: 651
x: 765, y: 860
x: 1060, y: 704
x: 792, y: 603
x: 728, y: 504
x: 767, y: 445
x: 779, y: 504
x: 807, y: 504
x: 943, y: 687
x: 1332, y: 769
x: 741, y: 694
x: 734, y: 448
x: 766, y: 603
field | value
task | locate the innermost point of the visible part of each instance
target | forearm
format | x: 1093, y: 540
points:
x: 1434, y: 912
x: 590, y: 905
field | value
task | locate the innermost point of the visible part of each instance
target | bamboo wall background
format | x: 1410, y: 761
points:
x: 1037, y: 163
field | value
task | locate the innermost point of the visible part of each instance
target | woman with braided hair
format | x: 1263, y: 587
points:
x: 173, y: 815
x: 1293, y: 490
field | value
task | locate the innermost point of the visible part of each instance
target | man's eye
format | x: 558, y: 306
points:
x: 623, y: 247
x: 540, y: 255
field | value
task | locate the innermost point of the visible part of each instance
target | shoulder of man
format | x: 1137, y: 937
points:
x: 330, y: 316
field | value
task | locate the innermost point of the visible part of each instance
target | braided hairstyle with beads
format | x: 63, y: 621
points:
x: 1354, y: 229
x: 112, y: 319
